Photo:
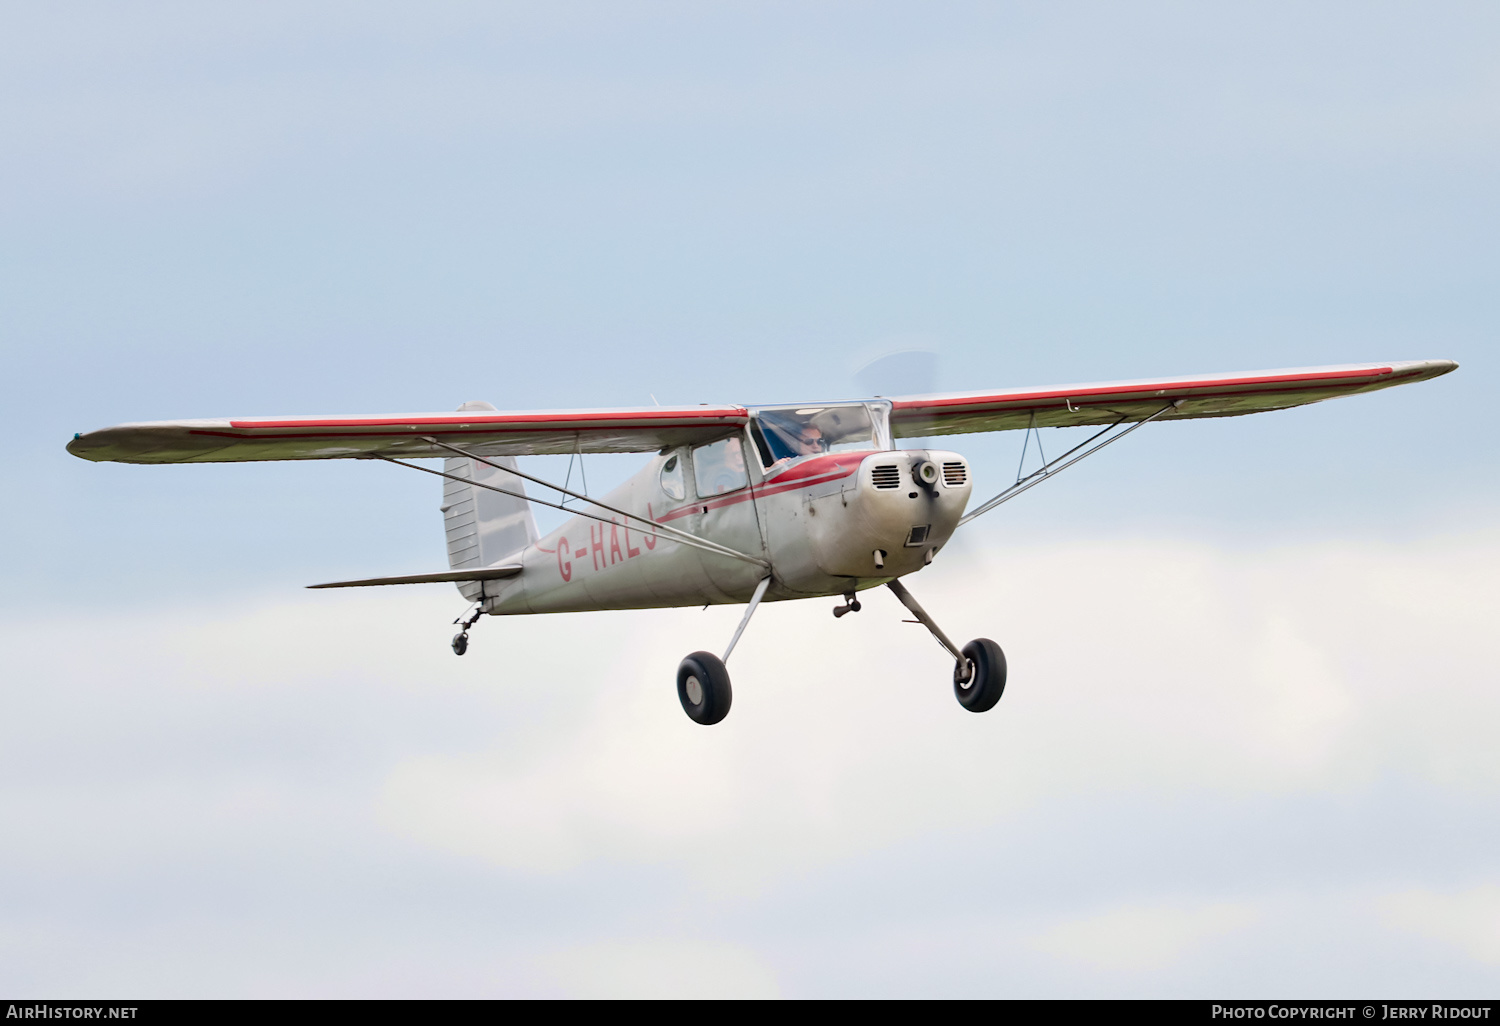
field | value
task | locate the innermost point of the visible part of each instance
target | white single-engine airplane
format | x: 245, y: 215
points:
x: 739, y: 504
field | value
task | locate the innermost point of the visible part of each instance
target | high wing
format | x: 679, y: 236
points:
x: 642, y: 429
x: 1211, y: 395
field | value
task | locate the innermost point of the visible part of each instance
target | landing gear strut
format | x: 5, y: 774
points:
x: 461, y: 639
x: 978, y: 670
x: 703, y: 679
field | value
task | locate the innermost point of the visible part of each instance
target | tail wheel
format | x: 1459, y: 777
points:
x: 986, y: 681
x: 703, y: 688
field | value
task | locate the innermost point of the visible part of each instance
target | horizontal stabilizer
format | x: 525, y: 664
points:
x: 489, y: 573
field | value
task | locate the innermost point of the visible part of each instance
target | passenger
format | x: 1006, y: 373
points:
x: 731, y: 474
x: 721, y: 467
x: 734, y: 457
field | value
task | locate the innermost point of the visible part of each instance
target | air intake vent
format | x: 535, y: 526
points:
x: 887, y: 475
x: 955, y: 474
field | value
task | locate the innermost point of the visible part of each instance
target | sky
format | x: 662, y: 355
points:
x: 1247, y: 744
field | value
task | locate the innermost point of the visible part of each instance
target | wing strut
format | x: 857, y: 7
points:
x: 682, y: 536
x: 688, y: 537
x: 1062, y: 463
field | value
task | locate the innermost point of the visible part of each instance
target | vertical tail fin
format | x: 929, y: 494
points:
x: 483, y: 527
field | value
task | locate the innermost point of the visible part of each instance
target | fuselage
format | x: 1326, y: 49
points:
x: 821, y: 522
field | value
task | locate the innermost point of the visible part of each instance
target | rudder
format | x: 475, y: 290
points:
x: 483, y: 527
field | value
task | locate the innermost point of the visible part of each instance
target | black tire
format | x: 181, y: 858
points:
x: 460, y: 644
x: 703, y: 688
x: 987, y: 683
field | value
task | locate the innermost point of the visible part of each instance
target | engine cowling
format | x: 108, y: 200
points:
x: 892, y: 516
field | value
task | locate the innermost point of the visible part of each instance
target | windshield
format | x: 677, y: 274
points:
x: 790, y: 433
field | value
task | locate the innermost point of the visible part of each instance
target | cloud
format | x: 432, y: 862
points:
x: 1136, y: 938
x: 1196, y: 746
x: 1468, y: 920
x: 663, y: 969
x: 1144, y: 667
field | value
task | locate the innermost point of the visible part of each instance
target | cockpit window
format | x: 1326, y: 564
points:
x: 790, y: 433
x: 671, y: 477
x: 719, y: 467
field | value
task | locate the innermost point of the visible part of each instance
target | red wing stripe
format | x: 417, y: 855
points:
x: 514, y: 421
x: 1147, y: 390
x: 489, y: 432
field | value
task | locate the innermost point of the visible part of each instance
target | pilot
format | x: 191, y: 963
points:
x: 810, y: 440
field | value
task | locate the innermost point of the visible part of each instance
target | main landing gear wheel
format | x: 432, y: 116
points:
x: 460, y: 643
x: 986, y: 679
x: 703, y: 688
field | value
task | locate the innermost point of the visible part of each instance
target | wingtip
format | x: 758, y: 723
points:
x: 78, y: 446
x: 1423, y: 370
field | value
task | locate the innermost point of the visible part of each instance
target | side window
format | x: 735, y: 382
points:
x: 719, y: 467
x: 671, y: 477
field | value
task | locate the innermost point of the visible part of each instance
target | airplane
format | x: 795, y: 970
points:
x: 739, y: 504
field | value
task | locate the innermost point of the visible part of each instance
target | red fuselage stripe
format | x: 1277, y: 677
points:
x: 753, y: 492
